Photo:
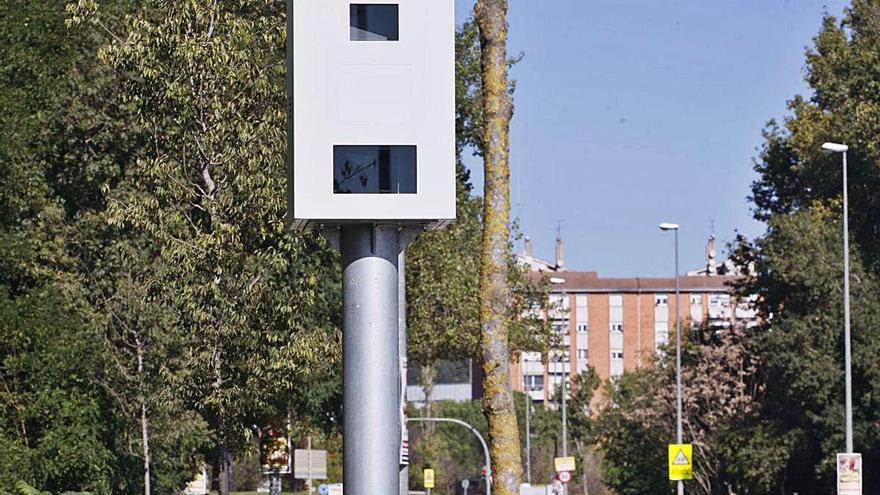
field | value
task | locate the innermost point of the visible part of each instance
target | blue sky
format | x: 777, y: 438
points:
x: 629, y: 113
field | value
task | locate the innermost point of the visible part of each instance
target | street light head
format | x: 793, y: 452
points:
x: 557, y: 280
x: 668, y: 226
x: 834, y: 148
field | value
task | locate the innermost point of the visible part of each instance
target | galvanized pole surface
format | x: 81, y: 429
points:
x: 488, y: 475
x: 371, y: 371
x: 401, y: 342
x: 679, y: 432
x: 528, y: 437
x: 309, y: 467
x: 847, y: 345
x: 564, y: 387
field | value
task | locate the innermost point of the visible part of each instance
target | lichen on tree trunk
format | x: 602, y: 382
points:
x: 491, y: 16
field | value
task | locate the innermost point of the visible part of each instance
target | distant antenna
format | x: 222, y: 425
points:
x: 712, y: 226
x: 559, y: 223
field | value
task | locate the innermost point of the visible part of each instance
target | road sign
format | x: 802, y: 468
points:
x: 564, y: 476
x: 429, y: 478
x: 336, y: 489
x: 310, y: 464
x: 849, y: 474
x: 274, y: 451
x: 681, y: 461
x: 465, y: 484
x: 324, y: 489
x: 564, y: 464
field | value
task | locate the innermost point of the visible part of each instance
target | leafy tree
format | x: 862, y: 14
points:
x: 207, y: 84
x: 720, y: 408
x: 797, y: 264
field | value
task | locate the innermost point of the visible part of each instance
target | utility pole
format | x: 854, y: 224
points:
x: 309, y: 472
x: 678, y: 409
x: 847, y: 336
x: 528, y: 436
x: 371, y: 368
x: 564, y: 387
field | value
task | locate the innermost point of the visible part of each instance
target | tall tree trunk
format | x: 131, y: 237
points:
x: 491, y: 16
x: 145, y: 425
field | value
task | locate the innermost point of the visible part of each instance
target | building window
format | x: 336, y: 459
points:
x: 719, y: 300
x: 615, y: 311
x: 616, y: 354
x: 582, y: 328
x: 696, y: 308
x: 534, y: 383
x: 582, y: 354
x: 581, y: 305
x: 661, y: 300
x: 374, y: 169
x: 374, y: 22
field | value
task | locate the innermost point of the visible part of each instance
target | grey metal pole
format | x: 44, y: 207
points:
x: 847, y: 345
x: 401, y: 340
x: 679, y: 432
x: 370, y: 359
x: 528, y: 437
x: 479, y: 437
x: 309, y: 472
x: 565, y: 386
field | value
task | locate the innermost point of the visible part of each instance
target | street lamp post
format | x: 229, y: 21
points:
x: 561, y: 283
x: 847, y: 346
x: 528, y: 432
x: 679, y: 434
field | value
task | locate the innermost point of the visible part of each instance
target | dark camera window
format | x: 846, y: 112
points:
x: 374, y: 169
x: 374, y: 22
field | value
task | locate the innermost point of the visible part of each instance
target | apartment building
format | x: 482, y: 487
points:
x: 620, y: 324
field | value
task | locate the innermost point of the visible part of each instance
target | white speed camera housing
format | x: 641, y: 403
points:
x: 372, y: 126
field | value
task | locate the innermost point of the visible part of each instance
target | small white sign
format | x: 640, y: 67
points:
x: 310, y: 464
x: 849, y: 474
x: 198, y: 486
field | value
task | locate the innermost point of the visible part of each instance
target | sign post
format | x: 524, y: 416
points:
x: 849, y: 474
x: 681, y: 462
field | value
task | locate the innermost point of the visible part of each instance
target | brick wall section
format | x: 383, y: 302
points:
x: 684, y: 300
x: 516, y: 375
x: 631, y: 338
x: 646, y: 356
x: 598, y: 334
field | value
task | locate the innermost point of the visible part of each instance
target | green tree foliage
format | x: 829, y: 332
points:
x: 456, y: 452
x: 720, y: 418
x: 206, y: 82
x: 797, y: 265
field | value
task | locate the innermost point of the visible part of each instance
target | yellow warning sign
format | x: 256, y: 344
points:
x: 429, y: 478
x: 564, y: 464
x: 681, y: 461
